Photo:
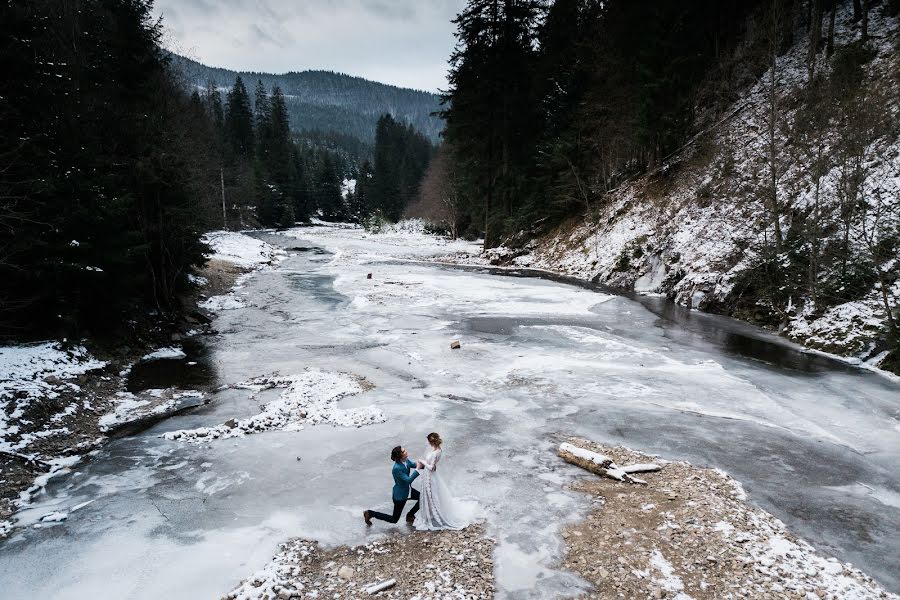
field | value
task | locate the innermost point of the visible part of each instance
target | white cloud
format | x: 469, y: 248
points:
x: 402, y: 42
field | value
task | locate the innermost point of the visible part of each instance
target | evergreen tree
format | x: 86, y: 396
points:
x: 489, y: 114
x: 214, y: 107
x: 401, y: 157
x: 262, y: 112
x: 328, y: 191
x: 112, y: 223
x: 239, y: 120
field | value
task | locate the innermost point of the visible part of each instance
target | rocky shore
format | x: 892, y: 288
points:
x: 689, y: 533
x: 423, y: 565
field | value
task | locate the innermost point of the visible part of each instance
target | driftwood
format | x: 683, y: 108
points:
x: 603, y: 465
x: 380, y: 587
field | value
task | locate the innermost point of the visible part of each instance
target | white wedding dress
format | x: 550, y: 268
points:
x: 437, y: 509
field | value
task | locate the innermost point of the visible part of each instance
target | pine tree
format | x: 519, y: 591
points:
x: 239, y: 120
x: 262, y: 112
x: 112, y: 223
x: 489, y: 112
x: 214, y: 106
x: 328, y: 191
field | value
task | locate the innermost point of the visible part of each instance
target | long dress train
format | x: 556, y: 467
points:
x: 438, y: 509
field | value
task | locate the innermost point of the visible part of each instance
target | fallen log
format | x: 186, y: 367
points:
x: 603, y: 465
x: 380, y: 587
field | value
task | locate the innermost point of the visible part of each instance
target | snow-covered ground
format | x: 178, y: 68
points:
x: 691, y: 230
x: 29, y: 372
x: 405, y: 240
x: 308, y: 399
x: 243, y: 251
x: 537, y: 360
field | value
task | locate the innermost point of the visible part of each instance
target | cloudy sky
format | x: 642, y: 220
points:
x: 402, y: 42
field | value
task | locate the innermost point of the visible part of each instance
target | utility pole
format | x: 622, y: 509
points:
x: 222, y: 179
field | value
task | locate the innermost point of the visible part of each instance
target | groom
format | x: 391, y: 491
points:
x: 402, y: 489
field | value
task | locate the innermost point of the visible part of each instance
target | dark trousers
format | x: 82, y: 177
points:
x: 398, y: 509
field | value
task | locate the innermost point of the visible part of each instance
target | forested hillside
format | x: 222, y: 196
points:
x: 110, y: 171
x: 322, y: 101
x: 739, y: 157
x: 106, y: 177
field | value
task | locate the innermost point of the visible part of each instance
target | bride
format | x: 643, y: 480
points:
x: 438, y: 508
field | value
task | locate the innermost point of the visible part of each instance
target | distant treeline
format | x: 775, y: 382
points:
x: 110, y: 172
x: 326, y: 101
x: 267, y: 174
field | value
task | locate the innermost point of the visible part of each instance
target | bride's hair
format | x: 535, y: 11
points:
x: 435, y: 439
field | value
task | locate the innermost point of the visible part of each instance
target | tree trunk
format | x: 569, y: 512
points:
x: 857, y: 10
x: 602, y: 465
x: 773, y: 153
x: 865, y: 21
x: 815, y: 36
x: 814, y: 252
x: 829, y: 49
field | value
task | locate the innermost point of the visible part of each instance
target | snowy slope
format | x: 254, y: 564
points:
x: 692, y: 228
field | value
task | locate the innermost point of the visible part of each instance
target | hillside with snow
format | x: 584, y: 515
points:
x: 699, y: 228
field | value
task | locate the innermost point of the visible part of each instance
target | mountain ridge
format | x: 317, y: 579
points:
x: 321, y: 100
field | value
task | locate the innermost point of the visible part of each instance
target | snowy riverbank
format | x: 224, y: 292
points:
x: 58, y: 402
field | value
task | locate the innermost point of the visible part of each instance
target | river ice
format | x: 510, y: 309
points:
x: 817, y: 446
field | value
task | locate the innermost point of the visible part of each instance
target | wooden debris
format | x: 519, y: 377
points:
x: 603, y: 465
x: 454, y: 345
x: 380, y: 587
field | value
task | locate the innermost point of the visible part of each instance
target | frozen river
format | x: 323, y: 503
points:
x: 814, y: 442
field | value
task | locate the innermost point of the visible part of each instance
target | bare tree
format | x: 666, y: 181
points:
x: 815, y: 35
x: 879, y: 224
x: 773, y: 116
x: 865, y: 21
x: 440, y: 194
x: 829, y: 47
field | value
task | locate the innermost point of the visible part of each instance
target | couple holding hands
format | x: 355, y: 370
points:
x: 438, y: 508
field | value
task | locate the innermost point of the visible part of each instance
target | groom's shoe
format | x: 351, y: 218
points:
x: 366, y: 518
x: 410, y: 518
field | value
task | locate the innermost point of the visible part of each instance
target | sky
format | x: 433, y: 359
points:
x: 401, y: 42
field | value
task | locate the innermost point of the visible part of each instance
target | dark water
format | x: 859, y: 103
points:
x: 680, y: 323
x: 176, y: 372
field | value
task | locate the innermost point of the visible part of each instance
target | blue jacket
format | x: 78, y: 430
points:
x: 402, y: 479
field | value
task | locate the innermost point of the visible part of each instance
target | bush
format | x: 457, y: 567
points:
x: 375, y: 223
x: 441, y: 229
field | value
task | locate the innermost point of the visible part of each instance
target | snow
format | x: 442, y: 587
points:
x: 669, y: 581
x: 228, y: 301
x: 244, y: 251
x: 404, y: 240
x: 58, y: 466
x: 309, y: 398
x: 167, y: 353
x: 348, y: 186
x: 192, y: 519
x: 799, y: 567
x: 54, y: 517
x: 24, y: 370
x: 154, y: 402
x: 695, y: 239
x: 240, y: 249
